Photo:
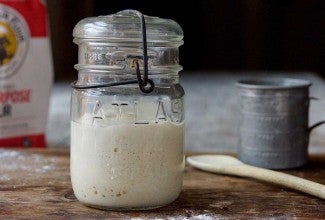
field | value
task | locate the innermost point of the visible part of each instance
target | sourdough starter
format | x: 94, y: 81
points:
x: 127, y: 165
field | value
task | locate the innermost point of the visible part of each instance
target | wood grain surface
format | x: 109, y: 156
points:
x: 35, y: 184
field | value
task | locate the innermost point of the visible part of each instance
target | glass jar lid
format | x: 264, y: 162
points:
x: 126, y: 26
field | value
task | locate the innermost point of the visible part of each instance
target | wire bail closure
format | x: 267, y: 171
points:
x: 142, y: 82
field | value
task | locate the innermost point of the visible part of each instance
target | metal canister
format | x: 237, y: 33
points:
x: 273, y: 131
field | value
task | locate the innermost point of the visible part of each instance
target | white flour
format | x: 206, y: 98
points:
x: 126, y: 166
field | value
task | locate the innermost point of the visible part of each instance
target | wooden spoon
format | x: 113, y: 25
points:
x: 224, y: 164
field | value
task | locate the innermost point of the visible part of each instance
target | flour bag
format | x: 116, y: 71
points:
x: 26, y: 73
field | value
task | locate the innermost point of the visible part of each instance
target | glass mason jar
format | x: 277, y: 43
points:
x: 126, y: 145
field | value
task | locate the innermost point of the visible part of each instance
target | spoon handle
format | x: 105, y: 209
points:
x: 279, y: 178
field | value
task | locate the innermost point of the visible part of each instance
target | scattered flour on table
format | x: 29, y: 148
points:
x: 194, y: 217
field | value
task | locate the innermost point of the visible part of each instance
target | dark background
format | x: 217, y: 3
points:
x: 236, y: 35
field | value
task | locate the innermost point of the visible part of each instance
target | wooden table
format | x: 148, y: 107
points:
x: 36, y: 184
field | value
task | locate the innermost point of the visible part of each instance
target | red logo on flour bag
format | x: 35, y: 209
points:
x: 25, y: 61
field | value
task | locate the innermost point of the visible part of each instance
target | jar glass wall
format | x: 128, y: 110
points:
x: 126, y: 146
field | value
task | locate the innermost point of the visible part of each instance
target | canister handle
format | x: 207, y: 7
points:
x: 318, y: 123
x: 315, y: 125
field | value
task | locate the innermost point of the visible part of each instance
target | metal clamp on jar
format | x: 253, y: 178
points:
x: 127, y: 113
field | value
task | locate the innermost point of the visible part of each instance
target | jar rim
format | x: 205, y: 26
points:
x: 127, y: 25
x: 273, y: 83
